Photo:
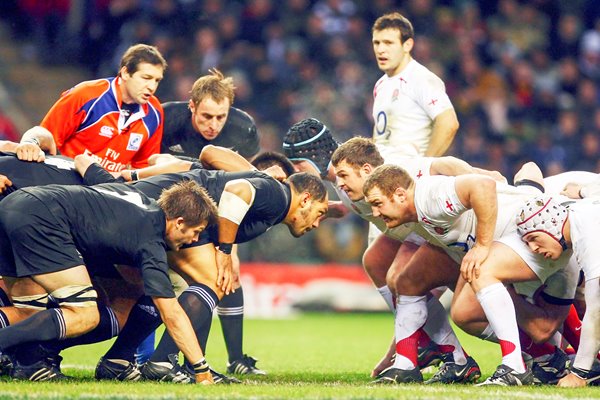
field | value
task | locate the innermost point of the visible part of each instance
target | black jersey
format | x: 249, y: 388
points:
x: 271, y: 201
x: 180, y: 138
x: 109, y: 224
x: 55, y: 169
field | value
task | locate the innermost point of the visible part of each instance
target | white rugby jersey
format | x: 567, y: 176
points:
x: 445, y: 221
x: 417, y: 168
x: 405, y: 106
x: 584, y: 217
x: 556, y: 183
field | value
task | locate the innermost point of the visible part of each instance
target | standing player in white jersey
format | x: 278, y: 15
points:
x: 411, y: 108
x: 551, y: 229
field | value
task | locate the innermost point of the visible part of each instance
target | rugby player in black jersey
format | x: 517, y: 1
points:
x: 209, y: 118
x: 49, y: 234
x: 249, y: 204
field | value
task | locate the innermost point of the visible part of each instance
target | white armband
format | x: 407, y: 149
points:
x: 232, y: 207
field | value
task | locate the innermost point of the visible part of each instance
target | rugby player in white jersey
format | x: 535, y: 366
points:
x: 411, y: 107
x: 550, y: 229
x: 479, y: 240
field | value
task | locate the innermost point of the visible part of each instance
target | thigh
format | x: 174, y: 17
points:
x: 504, y: 265
x: 378, y: 257
x: 59, y: 279
x: 196, y: 265
x: 429, y: 268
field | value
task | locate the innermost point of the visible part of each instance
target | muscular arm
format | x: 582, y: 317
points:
x: 180, y: 328
x: 236, y: 199
x: 478, y: 193
x: 452, y: 166
x: 34, y: 143
x: 216, y: 157
x: 443, y: 131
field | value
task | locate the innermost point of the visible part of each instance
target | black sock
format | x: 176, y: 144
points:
x: 4, y: 322
x: 4, y: 299
x: 198, y: 302
x: 107, y: 328
x: 143, y: 319
x: 44, y: 325
x: 231, y: 314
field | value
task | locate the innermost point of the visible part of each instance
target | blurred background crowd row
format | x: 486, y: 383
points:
x: 524, y: 76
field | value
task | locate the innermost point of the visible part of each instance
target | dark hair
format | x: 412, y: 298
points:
x: 357, y: 152
x: 305, y: 182
x: 267, y: 159
x: 388, y: 178
x: 141, y: 53
x: 189, y: 201
x: 397, y: 21
x: 310, y: 140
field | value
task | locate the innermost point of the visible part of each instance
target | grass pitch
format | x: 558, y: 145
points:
x: 313, y: 356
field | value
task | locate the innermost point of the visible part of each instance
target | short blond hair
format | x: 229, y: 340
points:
x: 388, y: 178
x: 215, y: 86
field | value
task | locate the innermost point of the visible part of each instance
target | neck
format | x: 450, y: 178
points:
x: 400, y: 67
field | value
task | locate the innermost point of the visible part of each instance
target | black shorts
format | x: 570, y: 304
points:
x: 39, y: 237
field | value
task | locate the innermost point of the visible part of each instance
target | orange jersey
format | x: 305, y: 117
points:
x: 87, y: 119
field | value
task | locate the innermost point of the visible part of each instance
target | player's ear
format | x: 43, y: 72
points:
x: 408, y: 45
x: 191, y: 106
x: 400, y: 192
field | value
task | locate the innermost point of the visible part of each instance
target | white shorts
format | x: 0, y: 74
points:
x: 560, y: 285
x: 541, y: 266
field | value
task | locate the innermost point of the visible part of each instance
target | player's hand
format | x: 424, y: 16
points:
x: 30, y: 152
x: 205, y: 378
x: 571, y: 381
x: 225, y: 272
x: 125, y: 174
x: 471, y: 263
x: 276, y: 172
x: 4, y: 183
x: 572, y: 191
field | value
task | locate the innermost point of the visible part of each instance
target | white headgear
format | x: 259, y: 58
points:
x: 543, y: 214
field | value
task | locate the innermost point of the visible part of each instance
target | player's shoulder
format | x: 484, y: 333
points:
x: 422, y: 74
x: 240, y: 121
x: 91, y: 87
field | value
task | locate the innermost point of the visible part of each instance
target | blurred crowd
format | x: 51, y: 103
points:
x: 524, y: 75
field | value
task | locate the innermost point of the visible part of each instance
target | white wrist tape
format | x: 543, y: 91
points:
x: 232, y: 207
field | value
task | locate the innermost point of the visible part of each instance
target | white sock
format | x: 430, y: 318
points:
x: 388, y: 297
x: 440, y: 331
x: 411, y: 314
x: 500, y: 312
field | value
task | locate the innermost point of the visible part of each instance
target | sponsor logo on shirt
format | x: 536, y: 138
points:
x: 107, y: 131
x: 135, y: 141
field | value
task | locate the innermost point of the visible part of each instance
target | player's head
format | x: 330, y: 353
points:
x: 267, y: 159
x: 353, y: 161
x: 141, y: 70
x: 189, y: 209
x: 388, y: 190
x: 310, y: 141
x: 541, y: 222
x: 393, y: 40
x: 211, y: 97
x: 309, y: 203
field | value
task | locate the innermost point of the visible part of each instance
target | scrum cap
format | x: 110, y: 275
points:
x: 543, y: 214
x: 311, y: 141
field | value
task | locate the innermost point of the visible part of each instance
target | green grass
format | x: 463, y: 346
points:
x: 314, y: 356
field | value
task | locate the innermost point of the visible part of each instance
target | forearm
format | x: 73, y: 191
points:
x: 450, y: 166
x: 40, y: 136
x: 589, y: 345
x: 443, y: 131
x: 484, y: 202
x: 216, y: 157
